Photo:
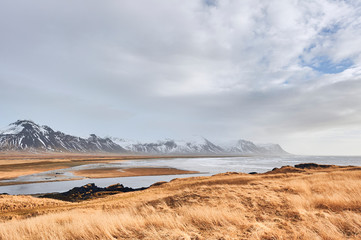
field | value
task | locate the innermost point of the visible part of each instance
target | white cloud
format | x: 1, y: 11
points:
x: 252, y: 69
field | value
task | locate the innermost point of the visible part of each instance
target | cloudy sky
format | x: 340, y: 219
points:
x: 282, y: 71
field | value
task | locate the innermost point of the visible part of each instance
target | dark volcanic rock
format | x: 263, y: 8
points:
x: 302, y: 167
x: 312, y: 165
x: 285, y: 169
x: 90, y: 191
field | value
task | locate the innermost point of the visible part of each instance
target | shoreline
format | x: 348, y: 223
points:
x: 99, y: 173
x: 104, y: 173
x: 18, y: 164
x: 14, y: 165
x: 129, y: 172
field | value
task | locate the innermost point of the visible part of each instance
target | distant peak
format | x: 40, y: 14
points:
x: 242, y: 140
x: 17, y: 127
x: 22, y: 122
x: 93, y: 136
x: 25, y: 125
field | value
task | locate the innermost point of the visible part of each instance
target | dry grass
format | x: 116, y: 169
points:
x: 313, y: 204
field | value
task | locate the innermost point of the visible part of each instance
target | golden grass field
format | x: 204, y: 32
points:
x: 285, y: 204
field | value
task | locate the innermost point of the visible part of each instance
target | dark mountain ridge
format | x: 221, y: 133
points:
x: 25, y: 135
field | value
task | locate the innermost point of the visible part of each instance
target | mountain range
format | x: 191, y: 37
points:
x: 25, y: 135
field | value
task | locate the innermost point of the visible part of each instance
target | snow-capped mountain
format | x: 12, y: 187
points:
x: 197, y: 145
x: 271, y: 148
x: 29, y: 136
x: 247, y: 147
x: 241, y: 146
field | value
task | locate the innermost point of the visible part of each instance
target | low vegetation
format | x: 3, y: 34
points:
x: 288, y: 203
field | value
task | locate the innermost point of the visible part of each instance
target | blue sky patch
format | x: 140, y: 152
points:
x: 325, y: 65
x: 331, y: 29
x: 211, y: 3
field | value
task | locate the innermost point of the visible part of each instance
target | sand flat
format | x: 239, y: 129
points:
x: 14, y: 164
x: 129, y: 172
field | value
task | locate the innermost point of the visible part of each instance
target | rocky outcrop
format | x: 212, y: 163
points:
x: 313, y: 166
x: 90, y: 191
x: 303, y: 167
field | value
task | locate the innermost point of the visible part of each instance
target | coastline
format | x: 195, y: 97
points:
x: 129, y: 172
x: 311, y: 202
x: 13, y: 165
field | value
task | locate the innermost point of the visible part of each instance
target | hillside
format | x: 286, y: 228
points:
x: 287, y: 203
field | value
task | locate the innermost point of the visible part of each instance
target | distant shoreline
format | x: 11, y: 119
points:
x: 13, y: 165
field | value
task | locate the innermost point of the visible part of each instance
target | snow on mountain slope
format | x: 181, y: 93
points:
x: 197, y: 145
x: 27, y: 135
x: 271, y: 148
x: 241, y: 146
x: 124, y: 143
x: 12, y: 129
x: 247, y: 147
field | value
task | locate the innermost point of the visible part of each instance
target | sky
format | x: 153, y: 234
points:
x: 269, y: 71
